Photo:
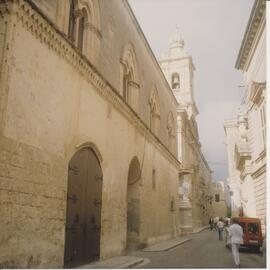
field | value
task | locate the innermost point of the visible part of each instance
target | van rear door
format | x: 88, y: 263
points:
x: 253, y: 234
x: 244, y: 227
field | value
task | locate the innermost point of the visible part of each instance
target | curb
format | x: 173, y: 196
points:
x: 200, y: 230
x: 132, y: 264
x: 115, y: 262
x: 170, y: 246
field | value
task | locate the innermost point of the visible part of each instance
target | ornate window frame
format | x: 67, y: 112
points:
x: 129, y: 77
x: 154, y: 112
x: 84, y: 27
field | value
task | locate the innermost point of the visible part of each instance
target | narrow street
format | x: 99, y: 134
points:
x: 126, y: 123
x: 203, y: 251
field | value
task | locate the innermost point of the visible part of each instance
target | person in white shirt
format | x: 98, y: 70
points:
x: 220, y: 227
x: 236, y: 238
x: 216, y: 219
x: 226, y: 229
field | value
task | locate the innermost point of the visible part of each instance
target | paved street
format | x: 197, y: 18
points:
x: 203, y: 251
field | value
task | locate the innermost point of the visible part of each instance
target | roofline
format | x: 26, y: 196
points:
x: 256, y: 13
x: 205, y: 162
x: 149, y: 48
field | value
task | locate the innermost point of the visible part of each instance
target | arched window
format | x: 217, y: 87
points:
x: 84, y: 27
x: 72, y: 20
x: 154, y: 112
x: 171, y: 132
x: 175, y: 81
x: 129, y: 81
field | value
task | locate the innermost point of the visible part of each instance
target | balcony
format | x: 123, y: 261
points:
x: 242, y: 153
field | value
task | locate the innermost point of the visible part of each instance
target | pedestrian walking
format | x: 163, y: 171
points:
x: 220, y: 227
x: 236, y: 238
x: 211, y: 223
x: 215, y: 222
x: 226, y: 229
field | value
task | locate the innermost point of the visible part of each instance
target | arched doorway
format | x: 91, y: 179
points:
x: 83, y: 218
x: 133, y: 204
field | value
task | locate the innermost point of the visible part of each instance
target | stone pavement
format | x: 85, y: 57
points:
x: 200, y: 229
x: 167, y: 245
x: 115, y: 262
x: 204, y: 250
x: 132, y: 261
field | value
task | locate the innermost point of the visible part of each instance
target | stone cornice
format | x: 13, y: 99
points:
x: 187, y: 170
x: 32, y: 18
x: 257, y: 17
x: 259, y: 171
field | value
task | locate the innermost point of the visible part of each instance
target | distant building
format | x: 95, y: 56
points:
x: 195, y: 175
x: 246, y: 133
x: 219, y: 202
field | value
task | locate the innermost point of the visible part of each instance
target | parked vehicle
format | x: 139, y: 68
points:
x: 252, y: 230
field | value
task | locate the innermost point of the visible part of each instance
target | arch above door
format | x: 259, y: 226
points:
x: 133, y: 204
x: 84, y: 202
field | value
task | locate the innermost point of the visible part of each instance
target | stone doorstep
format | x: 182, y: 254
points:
x: 115, y: 262
x: 166, y: 245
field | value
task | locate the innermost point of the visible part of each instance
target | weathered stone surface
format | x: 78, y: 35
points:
x: 54, y: 103
x: 246, y: 133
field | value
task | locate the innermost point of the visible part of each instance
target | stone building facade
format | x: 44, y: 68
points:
x: 219, y: 202
x: 88, y: 135
x: 195, y: 176
x: 246, y: 133
x: 233, y: 180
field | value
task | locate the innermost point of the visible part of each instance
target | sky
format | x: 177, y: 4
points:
x: 212, y: 31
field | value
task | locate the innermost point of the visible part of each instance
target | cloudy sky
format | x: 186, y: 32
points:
x: 212, y: 30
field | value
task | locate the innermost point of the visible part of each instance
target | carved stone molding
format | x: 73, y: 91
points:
x: 33, y: 20
x: 93, y: 29
x: 257, y: 92
x: 134, y: 84
x: 257, y: 18
x: 78, y: 14
x: 258, y: 170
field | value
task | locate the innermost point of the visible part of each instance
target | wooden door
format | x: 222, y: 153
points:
x: 133, y: 205
x: 83, y: 219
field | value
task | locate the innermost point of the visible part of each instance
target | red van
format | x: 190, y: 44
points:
x: 252, y: 236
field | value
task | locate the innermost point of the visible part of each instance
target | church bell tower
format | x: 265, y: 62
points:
x: 178, y: 69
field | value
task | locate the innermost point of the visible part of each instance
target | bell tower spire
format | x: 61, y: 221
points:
x: 178, y: 69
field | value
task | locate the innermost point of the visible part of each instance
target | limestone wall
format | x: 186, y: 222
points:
x: 54, y: 103
x: 255, y: 71
x: 118, y: 28
x: 115, y: 19
x: 219, y: 209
